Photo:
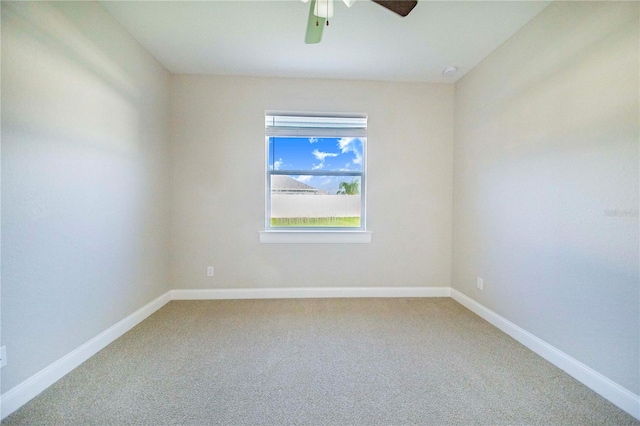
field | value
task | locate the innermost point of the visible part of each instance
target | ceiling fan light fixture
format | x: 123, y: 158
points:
x: 321, y: 10
x: 324, y: 9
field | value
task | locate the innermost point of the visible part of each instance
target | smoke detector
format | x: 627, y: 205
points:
x: 449, y: 71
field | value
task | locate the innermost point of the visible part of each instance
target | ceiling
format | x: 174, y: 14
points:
x: 364, y: 42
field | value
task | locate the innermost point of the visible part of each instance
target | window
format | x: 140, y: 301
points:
x: 315, y: 172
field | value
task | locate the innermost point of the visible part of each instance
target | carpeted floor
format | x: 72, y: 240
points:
x: 316, y: 362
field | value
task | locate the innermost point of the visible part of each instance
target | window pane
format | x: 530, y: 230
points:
x: 323, y: 153
x: 315, y: 201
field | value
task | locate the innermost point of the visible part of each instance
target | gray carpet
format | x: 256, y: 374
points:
x: 316, y: 362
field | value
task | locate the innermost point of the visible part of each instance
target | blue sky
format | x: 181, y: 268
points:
x: 334, y: 154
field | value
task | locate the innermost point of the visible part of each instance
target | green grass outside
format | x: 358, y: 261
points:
x: 332, y: 222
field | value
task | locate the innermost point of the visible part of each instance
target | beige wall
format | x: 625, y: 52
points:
x: 546, y: 183
x: 218, y: 188
x: 84, y: 180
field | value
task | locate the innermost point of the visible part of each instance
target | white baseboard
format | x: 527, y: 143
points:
x: 34, y: 385
x: 310, y: 292
x: 25, y: 391
x: 623, y: 398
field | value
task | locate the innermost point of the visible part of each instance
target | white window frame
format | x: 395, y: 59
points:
x: 299, y: 124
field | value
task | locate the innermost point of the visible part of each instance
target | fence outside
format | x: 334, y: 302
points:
x: 314, y: 206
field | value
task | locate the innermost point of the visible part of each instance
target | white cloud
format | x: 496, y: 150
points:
x: 345, y: 144
x: 305, y: 178
x: 313, y: 140
x: 326, y: 181
x: 358, y: 158
x: 322, y: 155
x: 278, y: 164
x: 348, y: 145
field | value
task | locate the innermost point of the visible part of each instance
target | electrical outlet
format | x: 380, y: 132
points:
x: 480, y: 283
x: 3, y: 356
x: 210, y: 271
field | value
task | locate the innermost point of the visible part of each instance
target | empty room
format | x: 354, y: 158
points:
x: 320, y: 212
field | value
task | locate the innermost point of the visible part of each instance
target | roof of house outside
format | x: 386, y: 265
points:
x: 281, y: 183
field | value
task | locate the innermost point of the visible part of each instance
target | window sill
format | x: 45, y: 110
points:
x: 315, y: 237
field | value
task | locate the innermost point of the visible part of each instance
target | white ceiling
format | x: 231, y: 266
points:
x: 364, y: 42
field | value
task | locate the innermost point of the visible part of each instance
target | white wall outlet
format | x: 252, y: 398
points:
x: 210, y: 271
x: 480, y: 283
x: 3, y: 356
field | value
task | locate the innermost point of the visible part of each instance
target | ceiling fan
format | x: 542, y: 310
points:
x: 321, y: 10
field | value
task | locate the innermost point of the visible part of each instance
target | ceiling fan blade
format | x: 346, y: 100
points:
x: 401, y: 7
x: 315, y: 25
